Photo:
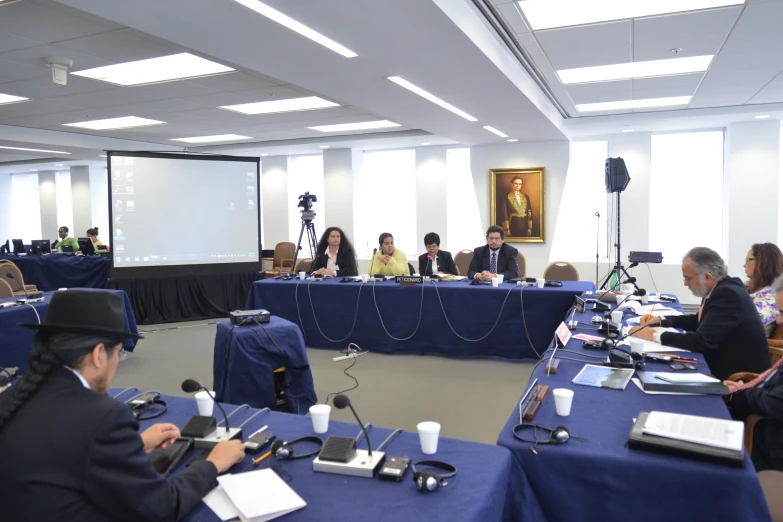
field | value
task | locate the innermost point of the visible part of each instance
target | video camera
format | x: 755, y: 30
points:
x: 306, y: 201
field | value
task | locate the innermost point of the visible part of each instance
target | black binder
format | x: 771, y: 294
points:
x: 639, y: 440
x: 651, y: 383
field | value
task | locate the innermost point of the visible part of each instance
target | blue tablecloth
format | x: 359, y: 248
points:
x: 16, y: 342
x: 478, y: 493
x: 54, y: 271
x: 245, y: 360
x: 611, y: 482
x: 478, y: 320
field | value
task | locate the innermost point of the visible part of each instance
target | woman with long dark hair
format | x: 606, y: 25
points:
x: 763, y: 264
x: 335, y: 255
x: 389, y: 261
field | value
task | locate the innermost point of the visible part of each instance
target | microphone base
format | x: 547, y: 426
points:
x: 219, y: 435
x: 361, y: 465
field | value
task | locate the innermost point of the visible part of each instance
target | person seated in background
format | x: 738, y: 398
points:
x: 335, y: 255
x: 727, y: 328
x: 764, y: 264
x: 494, y: 258
x: 388, y: 261
x: 92, y: 233
x: 763, y: 396
x: 72, y: 453
x: 435, y: 261
x: 65, y: 240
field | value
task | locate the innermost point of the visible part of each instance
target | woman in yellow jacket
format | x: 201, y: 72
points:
x: 389, y: 261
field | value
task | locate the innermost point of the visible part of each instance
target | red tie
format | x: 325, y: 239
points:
x: 760, y: 378
x: 701, y: 308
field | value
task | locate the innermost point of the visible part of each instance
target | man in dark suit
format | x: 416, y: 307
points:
x: 727, y: 329
x: 436, y: 261
x: 70, y: 452
x: 494, y: 258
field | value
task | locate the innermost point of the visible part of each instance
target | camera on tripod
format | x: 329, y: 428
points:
x: 306, y: 201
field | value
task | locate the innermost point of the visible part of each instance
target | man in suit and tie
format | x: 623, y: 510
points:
x: 494, y: 258
x: 727, y: 328
x: 518, y: 215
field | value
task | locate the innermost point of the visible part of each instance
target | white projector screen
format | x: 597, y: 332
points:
x: 169, y: 210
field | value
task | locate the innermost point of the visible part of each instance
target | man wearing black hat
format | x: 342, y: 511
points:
x: 70, y: 452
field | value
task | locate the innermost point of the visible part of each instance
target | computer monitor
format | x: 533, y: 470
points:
x: 85, y: 246
x: 18, y: 246
x: 41, y: 246
x: 67, y: 249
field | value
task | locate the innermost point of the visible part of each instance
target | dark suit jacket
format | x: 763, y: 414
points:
x: 445, y: 264
x: 730, y: 334
x: 507, y: 261
x: 345, y: 261
x: 766, y: 401
x: 71, y: 454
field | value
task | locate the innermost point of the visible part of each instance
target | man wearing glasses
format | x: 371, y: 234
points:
x: 727, y: 328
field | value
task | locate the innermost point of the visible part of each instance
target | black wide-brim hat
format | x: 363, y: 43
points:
x: 85, y: 312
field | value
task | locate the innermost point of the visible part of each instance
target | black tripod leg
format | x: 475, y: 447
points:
x: 298, y: 246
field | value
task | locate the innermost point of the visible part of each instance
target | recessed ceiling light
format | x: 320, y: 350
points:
x: 546, y: 14
x: 297, y: 27
x: 633, y: 104
x: 364, y: 125
x: 324, y: 146
x: 124, y: 122
x: 512, y: 140
x: 426, y: 143
x: 36, y: 150
x: 271, y: 107
x: 211, y: 139
x: 58, y: 164
x: 493, y: 130
x: 762, y: 116
x: 626, y: 71
x: 627, y: 130
x: 263, y: 154
x: 431, y: 97
x: 154, y: 70
x: 8, y: 98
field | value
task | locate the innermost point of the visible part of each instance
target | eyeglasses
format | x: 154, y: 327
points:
x: 122, y: 354
x: 749, y: 259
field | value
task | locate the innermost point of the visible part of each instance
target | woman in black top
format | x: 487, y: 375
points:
x: 436, y: 260
x: 335, y: 255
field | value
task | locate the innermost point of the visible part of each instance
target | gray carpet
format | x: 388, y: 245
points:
x: 471, y: 398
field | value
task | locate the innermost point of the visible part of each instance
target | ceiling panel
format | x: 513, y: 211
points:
x: 235, y: 81
x: 43, y: 87
x: 600, y: 92
x: 34, y: 21
x: 123, y: 45
x: 665, y: 86
x: 586, y: 46
x: 11, y: 71
x: 34, y: 56
x: 771, y: 93
x: 10, y: 42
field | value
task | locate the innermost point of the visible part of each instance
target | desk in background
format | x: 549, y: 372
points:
x: 245, y: 359
x: 17, y: 342
x: 53, y: 271
x: 611, y: 482
x: 471, y: 310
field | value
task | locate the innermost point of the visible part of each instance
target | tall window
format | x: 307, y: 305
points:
x: 686, y: 178
x: 64, y: 197
x: 463, y: 219
x: 26, y: 203
x: 584, y: 194
x: 386, y: 201
x: 305, y: 174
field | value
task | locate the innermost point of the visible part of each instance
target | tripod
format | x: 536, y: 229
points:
x: 312, y: 241
x: 618, y: 269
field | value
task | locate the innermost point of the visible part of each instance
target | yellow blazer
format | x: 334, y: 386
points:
x: 398, y: 264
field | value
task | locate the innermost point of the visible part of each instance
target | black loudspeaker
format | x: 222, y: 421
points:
x: 616, y: 175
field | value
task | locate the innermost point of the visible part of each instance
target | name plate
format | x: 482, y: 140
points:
x: 409, y: 280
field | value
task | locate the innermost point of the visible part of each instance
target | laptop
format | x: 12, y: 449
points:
x: 40, y: 247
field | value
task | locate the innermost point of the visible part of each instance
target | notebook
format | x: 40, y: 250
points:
x: 255, y: 496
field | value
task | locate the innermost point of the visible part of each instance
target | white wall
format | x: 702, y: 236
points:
x: 431, y: 200
x: 276, y: 200
x: 99, y: 201
x: 339, y: 168
x: 5, y: 207
x: 47, y: 192
x: 81, y: 200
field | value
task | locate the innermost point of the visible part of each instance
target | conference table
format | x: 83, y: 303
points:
x: 479, y: 492
x: 452, y: 318
x: 17, y: 342
x: 601, y: 476
x: 245, y: 360
x: 54, y: 271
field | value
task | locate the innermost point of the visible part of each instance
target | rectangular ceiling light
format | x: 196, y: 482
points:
x: 212, y: 139
x: 547, y: 14
x: 364, y: 125
x: 286, y: 21
x: 627, y: 71
x: 431, y: 97
x: 124, y: 122
x: 634, y: 104
x: 8, y: 98
x: 292, y: 104
x: 493, y: 130
x: 154, y: 70
x: 36, y: 150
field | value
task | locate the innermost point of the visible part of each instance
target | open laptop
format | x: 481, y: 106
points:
x: 40, y: 247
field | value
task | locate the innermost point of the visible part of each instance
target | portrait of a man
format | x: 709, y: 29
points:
x: 517, y: 203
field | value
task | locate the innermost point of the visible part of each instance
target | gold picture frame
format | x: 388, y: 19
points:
x: 523, y: 217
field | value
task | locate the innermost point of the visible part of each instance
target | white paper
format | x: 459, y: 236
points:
x: 638, y: 384
x: 716, y: 433
x: 685, y: 377
x: 218, y: 501
x: 260, y: 495
x: 652, y: 346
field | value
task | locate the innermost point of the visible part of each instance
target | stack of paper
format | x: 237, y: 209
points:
x: 256, y: 496
x: 658, y: 311
x: 717, y: 433
x: 652, y: 346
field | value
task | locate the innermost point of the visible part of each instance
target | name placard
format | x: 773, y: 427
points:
x: 409, y: 280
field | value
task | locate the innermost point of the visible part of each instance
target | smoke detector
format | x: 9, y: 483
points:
x: 60, y: 67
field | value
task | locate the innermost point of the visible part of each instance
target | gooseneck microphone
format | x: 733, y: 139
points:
x: 191, y: 386
x: 340, y: 402
x: 374, y: 251
x: 428, y: 267
x: 9, y: 275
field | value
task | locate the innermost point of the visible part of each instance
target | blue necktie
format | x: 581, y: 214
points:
x: 493, y: 263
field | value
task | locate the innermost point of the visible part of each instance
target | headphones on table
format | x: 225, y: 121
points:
x: 559, y: 435
x: 620, y: 358
x: 428, y: 481
x: 285, y: 451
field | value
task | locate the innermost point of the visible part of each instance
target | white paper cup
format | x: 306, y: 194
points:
x: 320, y: 416
x: 428, y: 436
x: 619, y: 298
x: 205, y: 403
x: 302, y: 275
x: 495, y: 282
x: 645, y: 299
x: 563, y: 399
x: 637, y: 345
x: 540, y: 283
x: 365, y: 278
x: 499, y: 277
x: 617, y: 316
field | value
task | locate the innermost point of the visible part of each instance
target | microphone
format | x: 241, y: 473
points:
x: 190, y: 386
x: 9, y: 275
x: 374, y: 251
x: 429, y: 264
x: 340, y: 402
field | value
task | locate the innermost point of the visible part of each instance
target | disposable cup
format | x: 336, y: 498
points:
x: 428, y: 436
x: 302, y: 275
x: 540, y: 283
x: 617, y: 316
x: 495, y: 282
x: 320, y: 416
x: 563, y: 400
x: 637, y: 345
x: 205, y: 403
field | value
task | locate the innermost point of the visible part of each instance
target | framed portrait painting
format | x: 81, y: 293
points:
x: 517, y: 203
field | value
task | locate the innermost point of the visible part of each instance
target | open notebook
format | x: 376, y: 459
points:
x: 255, y: 496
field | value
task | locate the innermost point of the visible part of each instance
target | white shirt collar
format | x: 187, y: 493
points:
x: 79, y: 375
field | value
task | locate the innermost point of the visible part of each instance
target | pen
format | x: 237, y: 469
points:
x: 262, y: 457
x: 649, y: 316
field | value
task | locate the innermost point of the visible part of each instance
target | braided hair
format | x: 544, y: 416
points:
x: 50, y: 351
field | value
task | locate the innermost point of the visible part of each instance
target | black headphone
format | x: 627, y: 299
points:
x: 427, y: 481
x: 620, y: 358
x: 559, y: 435
x: 284, y: 450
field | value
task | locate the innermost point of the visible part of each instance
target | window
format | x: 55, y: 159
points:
x: 686, y: 175
x: 305, y: 174
x: 385, y: 201
x: 584, y: 194
x: 26, y: 204
x: 64, y: 199
x: 463, y: 220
